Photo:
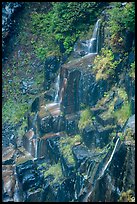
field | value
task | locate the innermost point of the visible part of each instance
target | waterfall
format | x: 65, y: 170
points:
x: 56, y: 100
x: 93, y: 42
x: 102, y: 172
x: 105, y: 167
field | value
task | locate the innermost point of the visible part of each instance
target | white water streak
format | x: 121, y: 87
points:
x: 105, y: 167
x: 94, y: 38
x: 57, y: 89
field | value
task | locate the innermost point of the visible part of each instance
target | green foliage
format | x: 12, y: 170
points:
x: 122, y: 18
x: 104, y: 65
x: 121, y: 136
x: 66, y: 144
x: 57, y: 31
x: 123, y: 114
x: 132, y: 71
x: 54, y: 170
x: 127, y: 196
x: 85, y: 118
x: 13, y: 112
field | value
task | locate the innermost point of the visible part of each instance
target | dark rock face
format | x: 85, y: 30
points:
x: 72, y: 124
x: 8, y: 11
x: 45, y: 124
x: 96, y: 136
x: 118, y: 104
x: 51, y: 67
x: 115, y: 180
x: 29, y: 177
x: 67, y: 168
x: 35, y: 105
x: 69, y: 92
x: 81, y: 154
x: 131, y: 124
x: 66, y: 191
x: 53, y: 149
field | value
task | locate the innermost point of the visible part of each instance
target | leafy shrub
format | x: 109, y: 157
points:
x: 122, y: 18
x: 104, y: 64
x: 123, y: 114
x: 58, y: 29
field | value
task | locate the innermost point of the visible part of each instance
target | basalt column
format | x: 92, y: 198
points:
x: 69, y: 93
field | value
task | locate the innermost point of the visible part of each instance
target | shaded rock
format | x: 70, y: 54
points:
x: 9, y: 181
x: 45, y: 124
x: 29, y: 142
x: 59, y: 123
x: 49, y: 95
x: 131, y: 124
x: 66, y: 191
x: 35, y: 195
x: 81, y: 153
x: 103, y: 135
x: 29, y: 176
x: 8, y: 11
x: 35, y: 105
x: 53, y: 148
x: 68, y: 169
x: 51, y: 66
x: 89, y: 136
x: 105, y: 121
x: 72, y: 124
x: 8, y: 155
x: 70, y: 91
x: 118, y: 104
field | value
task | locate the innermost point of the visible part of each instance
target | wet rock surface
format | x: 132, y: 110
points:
x: 8, y: 11
x: 46, y: 168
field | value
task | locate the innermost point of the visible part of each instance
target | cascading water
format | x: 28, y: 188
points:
x: 105, y: 167
x: 102, y: 172
x: 56, y: 100
x: 89, y: 46
x: 93, y: 42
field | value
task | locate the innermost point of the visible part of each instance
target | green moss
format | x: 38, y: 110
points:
x: 85, y: 118
x: 13, y: 112
x: 66, y: 145
x: 123, y: 114
x: 21, y: 130
x: 56, y: 171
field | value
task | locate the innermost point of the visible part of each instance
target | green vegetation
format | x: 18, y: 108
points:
x: 129, y: 134
x: 127, y: 196
x: 121, y: 136
x: 121, y: 19
x: 104, y: 65
x: 21, y: 130
x: 59, y: 29
x: 13, y: 112
x: 123, y: 114
x: 132, y: 71
x: 85, y: 118
x: 66, y: 144
x: 56, y: 171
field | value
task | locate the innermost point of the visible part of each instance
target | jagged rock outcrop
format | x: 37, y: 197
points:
x: 8, y: 11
